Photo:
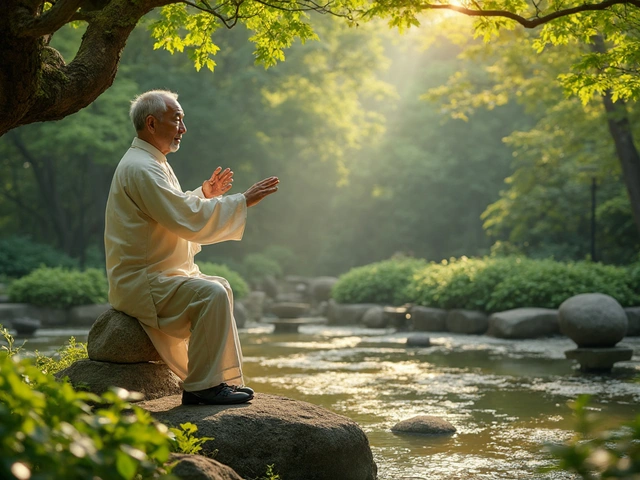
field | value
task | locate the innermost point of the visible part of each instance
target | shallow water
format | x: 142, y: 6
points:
x: 506, y: 398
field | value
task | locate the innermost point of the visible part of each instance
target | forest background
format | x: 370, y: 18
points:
x: 428, y: 144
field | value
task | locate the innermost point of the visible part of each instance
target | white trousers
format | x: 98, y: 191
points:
x: 200, y: 314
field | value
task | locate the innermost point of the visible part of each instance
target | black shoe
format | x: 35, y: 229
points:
x: 223, y: 394
x: 243, y: 388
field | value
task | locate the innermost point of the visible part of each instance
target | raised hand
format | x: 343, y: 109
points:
x: 219, y: 183
x: 259, y: 190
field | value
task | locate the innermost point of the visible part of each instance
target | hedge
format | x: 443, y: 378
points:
x: 60, y: 288
x: 238, y: 284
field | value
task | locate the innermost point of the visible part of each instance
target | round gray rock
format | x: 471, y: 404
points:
x: 239, y: 314
x: 633, y: 315
x: 197, y: 467
x: 320, y: 288
x: 375, y: 318
x: 593, y: 320
x: 302, y: 441
x: 524, y: 323
x: 153, y: 380
x: 467, y: 321
x: 418, y: 340
x: 347, y: 313
x: 427, y: 319
x: 425, y: 425
x: 118, y: 338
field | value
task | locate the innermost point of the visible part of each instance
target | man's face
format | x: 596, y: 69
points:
x: 169, y: 128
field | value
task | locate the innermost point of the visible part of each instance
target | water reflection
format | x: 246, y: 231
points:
x: 506, y: 398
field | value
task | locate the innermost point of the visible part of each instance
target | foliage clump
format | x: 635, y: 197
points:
x: 497, y: 284
x: 47, y: 430
x: 383, y: 282
x: 19, y: 256
x: 594, y: 455
x: 258, y: 266
x: 60, y: 288
x: 238, y: 284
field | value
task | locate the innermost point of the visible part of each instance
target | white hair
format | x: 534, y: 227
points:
x: 153, y: 103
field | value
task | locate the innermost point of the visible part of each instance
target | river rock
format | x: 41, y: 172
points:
x: 375, y: 318
x: 427, y: 319
x: 85, y: 315
x: 424, y: 424
x: 254, y: 303
x: 418, y: 340
x: 593, y: 320
x: 347, y: 313
x: 633, y: 316
x: 153, y: 380
x: 117, y: 337
x: 198, y: 467
x: 524, y: 323
x: 320, y: 288
x: 239, y: 314
x: 302, y: 441
x: 467, y: 321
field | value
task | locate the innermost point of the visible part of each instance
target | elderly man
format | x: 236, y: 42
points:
x: 153, y: 230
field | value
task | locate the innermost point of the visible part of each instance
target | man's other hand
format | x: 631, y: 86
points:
x: 260, y: 190
x: 219, y: 183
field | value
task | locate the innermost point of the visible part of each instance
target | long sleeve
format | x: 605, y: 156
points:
x: 200, y: 220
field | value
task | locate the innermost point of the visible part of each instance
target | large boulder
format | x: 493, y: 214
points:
x: 427, y: 319
x: 302, y: 441
x: 425, y: 425
x: 524, y: 323
x: 320, y: 288
x: 633, y: 316
x: 152, y: 380
x: 467, y: 321
x: 347, y: 313
x: 375, y: 318
x: 117, y: 337
x: 254, y: 303
x: 593, y: 320
x: 198, y: 467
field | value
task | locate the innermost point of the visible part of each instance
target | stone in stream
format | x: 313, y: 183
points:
x: 425, y: 425
x: 347, y: 313
x: 418, y: 340
x: 524, y: 323
x: 427, y: 319
x: 375, y: 318
x: 467, y: 321
x: 197, y: 467
x: 593, y: 320
x: 302, y: 441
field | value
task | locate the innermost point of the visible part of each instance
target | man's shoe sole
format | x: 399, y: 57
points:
x: 189, y: 398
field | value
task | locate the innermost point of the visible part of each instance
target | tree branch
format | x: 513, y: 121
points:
x: 51, y: 20
x: 530, y: 23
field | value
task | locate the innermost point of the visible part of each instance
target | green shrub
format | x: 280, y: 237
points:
x: 47, y: 430
x: 384, y: 282
x: 238, y: 285
x: 60, y: 288
x: 283, y: 256
x: 497, y: 284
x: 258, y: 266
x: 64, y: 357
x: 19, y: 256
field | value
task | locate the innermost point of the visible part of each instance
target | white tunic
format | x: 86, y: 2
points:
x: 152, y: 231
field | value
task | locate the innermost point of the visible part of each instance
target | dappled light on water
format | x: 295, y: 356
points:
x: 506, y: 398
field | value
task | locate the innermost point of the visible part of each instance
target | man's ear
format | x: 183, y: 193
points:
x: 150, y: 123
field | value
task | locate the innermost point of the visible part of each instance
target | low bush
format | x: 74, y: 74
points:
x: 48, y: 430
x: 384, y: 282
x: 60, y: 288
x: 19, y: 256
x: 497, y: 284
x: 238, y: 285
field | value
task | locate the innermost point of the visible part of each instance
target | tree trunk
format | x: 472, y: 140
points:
x: 620, y: 129
x: 36, y: 84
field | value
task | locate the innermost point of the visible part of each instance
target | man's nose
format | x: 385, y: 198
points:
x: 183, y: 128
